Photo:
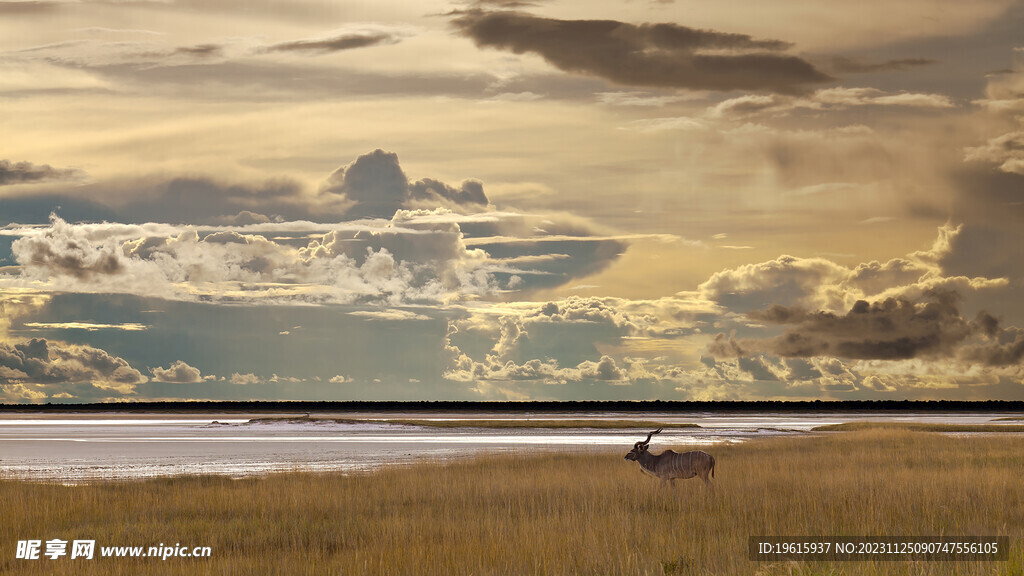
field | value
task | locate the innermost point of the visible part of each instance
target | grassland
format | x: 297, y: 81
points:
x: 918, y: 426
x: 546, y: 514
x: 1009, y: 419
x: 488, y: 423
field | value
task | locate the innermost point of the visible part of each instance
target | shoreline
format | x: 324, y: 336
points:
x: 88, y: 448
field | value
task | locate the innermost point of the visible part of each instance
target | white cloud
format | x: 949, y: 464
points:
x: 178, y: 372
x: 417, y: 257
x: 392, y: 264
x: 243, y: 379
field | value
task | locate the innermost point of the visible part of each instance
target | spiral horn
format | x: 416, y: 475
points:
x: 648, y: 441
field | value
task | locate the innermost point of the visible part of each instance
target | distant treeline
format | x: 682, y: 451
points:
x: 580, y: 406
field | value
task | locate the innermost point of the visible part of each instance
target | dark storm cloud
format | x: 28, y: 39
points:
x: 892, y: 329
x: 377, y: 185
x: 1007, y: 350
x: 347, y: 41
x: 843, y: 65
x: 375, y: 182
x: 661, y: 55
x: 28, y: 173
x: 756, y: 368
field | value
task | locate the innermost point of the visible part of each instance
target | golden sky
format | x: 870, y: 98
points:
x: 503, y: 199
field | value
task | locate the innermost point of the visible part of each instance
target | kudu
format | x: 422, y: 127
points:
x: 671, y: 465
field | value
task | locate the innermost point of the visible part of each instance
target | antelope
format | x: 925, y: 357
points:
x: 671, y: 465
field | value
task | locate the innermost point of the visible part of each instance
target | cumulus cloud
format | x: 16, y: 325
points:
x: 811, y: 327
x: 821, y: 284
x: 1006, y: 350
x: 387, y: 264
x: 377, y: 187
x: 887, y: 330
x: 766, y: 376
x: 786, y: 281
x: 433, y: 193
x: 243, y: 379
x: 178, y: 372
x: 551, y: 344
x: 39, y: 361
x: 12, y: 173
x: 1005, y: 151
x: 374, y: 182
x: 499, y: 365
x: 418, y: 257
x: 56, y: 251
x: 661, y: 55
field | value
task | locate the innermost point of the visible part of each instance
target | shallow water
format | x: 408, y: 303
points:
x: 76, y: 448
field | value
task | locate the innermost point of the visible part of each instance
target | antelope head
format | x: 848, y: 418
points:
x: 640, y: 447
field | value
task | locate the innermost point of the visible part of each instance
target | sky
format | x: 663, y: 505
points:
x: 511, y: 200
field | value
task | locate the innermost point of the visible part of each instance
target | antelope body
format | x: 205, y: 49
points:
x: 670, y: 465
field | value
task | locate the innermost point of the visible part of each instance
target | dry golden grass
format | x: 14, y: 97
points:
x: 918, y: 426
x: 547, y: 514
x: 489, y: 423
